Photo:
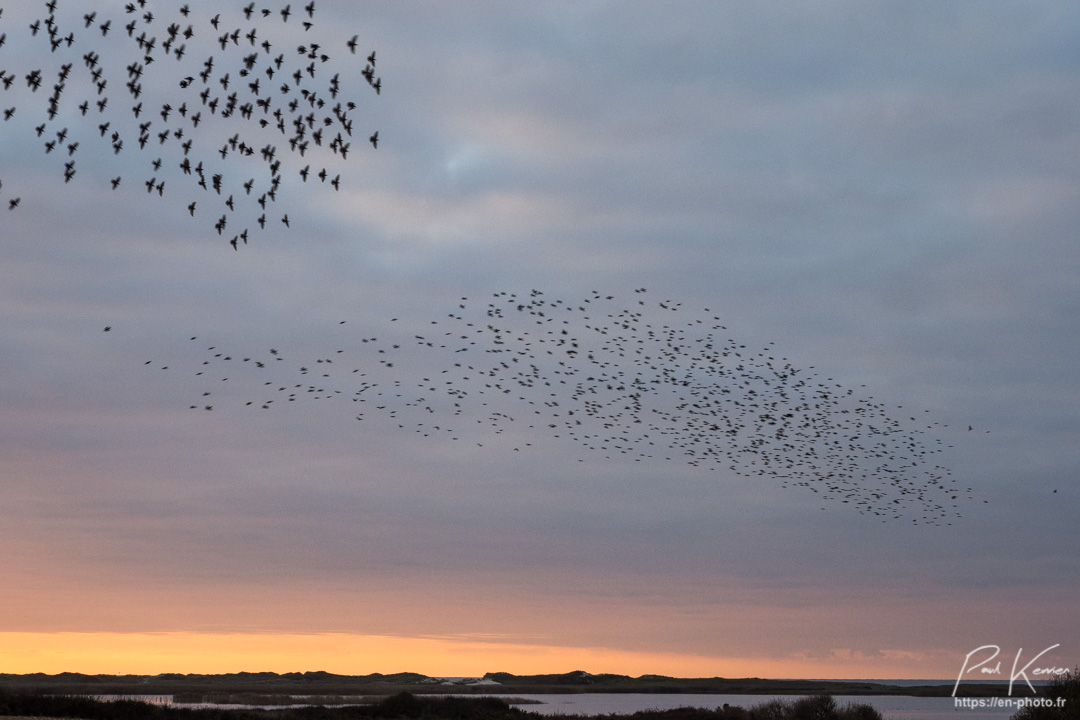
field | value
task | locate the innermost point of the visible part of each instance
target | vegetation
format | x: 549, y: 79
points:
x: 814, y: 707
x: 405, y: 706
x: 1063, y: 694
x: 395, y: 707
x: 52, y: 697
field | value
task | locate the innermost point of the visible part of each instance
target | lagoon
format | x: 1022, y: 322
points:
x: 892, y: 707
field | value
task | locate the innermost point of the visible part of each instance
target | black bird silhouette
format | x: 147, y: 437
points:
x: 265, y: 115
x: 636, y: 381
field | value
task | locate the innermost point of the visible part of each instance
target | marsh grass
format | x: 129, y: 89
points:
x: 812, y: 707
x: 395, y: 707
x: 403, y: 706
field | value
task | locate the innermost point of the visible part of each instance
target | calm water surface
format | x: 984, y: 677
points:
x: 892, y: 707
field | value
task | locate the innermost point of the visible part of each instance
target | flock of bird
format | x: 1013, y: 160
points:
x: 638, y: 381
x: 205, y: 103
x: 220, y: 108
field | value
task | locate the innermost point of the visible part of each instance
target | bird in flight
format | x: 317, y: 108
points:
x: 173, y: 59
x: 631, y: 381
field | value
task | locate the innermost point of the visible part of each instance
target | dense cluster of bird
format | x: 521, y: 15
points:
x: 637, y: 381
x: 203, y: 101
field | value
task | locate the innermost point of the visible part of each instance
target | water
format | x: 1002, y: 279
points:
x: 892, y: 707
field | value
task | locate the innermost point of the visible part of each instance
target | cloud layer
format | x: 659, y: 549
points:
x: 886, y: 191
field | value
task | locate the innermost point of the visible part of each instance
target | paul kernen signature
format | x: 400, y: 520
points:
x: 985, y: 669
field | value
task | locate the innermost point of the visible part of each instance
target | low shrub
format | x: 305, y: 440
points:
x: 1064, y: 695
x: 813, y: 707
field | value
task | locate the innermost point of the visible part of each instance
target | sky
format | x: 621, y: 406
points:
x: 884, y: 194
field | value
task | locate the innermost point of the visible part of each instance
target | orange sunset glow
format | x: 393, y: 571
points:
x: 206, y: 653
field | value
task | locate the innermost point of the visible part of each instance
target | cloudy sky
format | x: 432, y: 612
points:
x: 886, y: 191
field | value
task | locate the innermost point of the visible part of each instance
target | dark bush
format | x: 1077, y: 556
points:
x: 400, y: 705
x: 814, y: 707
x: 858, y: 711
x: 679, y: 713
x: 771, y: 710
x: 1063, y: 689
